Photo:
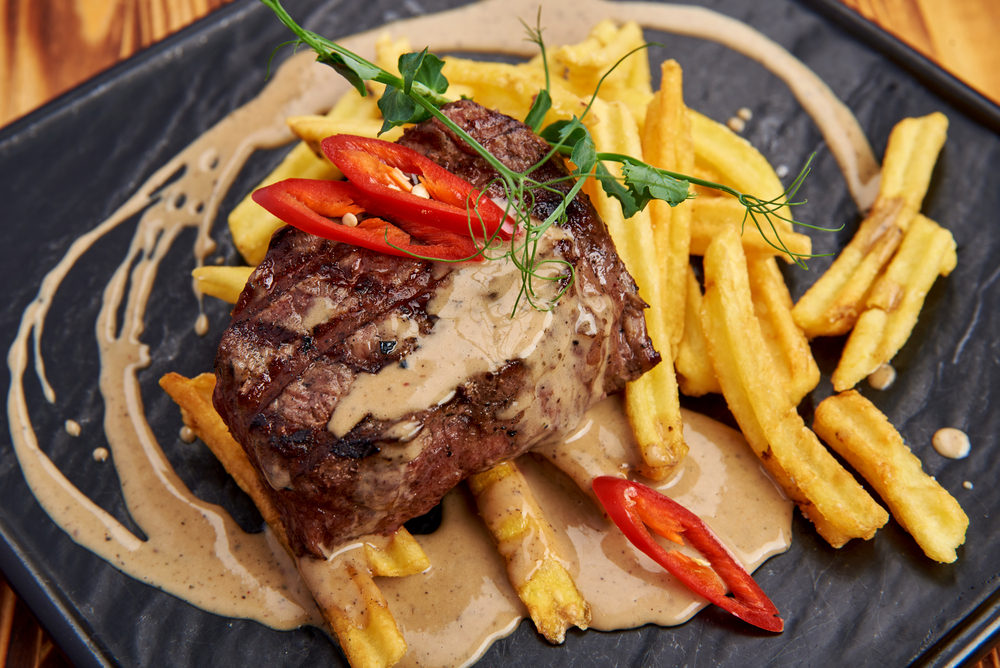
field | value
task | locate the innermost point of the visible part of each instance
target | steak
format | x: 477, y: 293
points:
x: 363, y: 386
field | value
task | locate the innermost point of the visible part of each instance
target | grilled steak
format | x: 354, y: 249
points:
x: 363, y: 386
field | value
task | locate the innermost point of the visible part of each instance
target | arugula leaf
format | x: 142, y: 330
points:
x: 573, y: 139
x: 398, y: 109
x: 564, y: 134
x: 615, y: 189
x: 584, y: 154
x: 398, y: 105
x: 641, y: 183
x: 345, y: 71
x: 355, y: 71
x: 647, y: 183
x: 540, y: 107
x: 424, y: 68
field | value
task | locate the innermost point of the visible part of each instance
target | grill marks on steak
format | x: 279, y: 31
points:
x: 316, y: 314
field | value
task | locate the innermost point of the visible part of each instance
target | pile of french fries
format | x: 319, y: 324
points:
x: 740, y: 336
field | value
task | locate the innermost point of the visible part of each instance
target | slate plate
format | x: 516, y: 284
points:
x: 880, y: 603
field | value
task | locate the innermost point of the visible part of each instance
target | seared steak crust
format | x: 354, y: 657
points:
x: 316, y: 314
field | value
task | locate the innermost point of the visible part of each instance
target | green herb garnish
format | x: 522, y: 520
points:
x: 418, y: 95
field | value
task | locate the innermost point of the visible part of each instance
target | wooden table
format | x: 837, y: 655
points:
x: 49, y: 46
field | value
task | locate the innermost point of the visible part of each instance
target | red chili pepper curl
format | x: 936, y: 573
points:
x: 309, y: 204
x: 455, y: 205
x: 632, y: 506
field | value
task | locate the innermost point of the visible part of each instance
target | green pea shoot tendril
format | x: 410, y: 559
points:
x: 418, y: 94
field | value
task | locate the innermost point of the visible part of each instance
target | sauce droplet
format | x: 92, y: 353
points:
x: 201, y: 325
x: 951, y: 443
x: 883, y: 377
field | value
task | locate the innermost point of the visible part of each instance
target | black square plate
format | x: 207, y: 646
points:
x: 68, y: 166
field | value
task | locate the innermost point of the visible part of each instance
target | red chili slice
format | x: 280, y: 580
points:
x: 372, y: 164
x: 632, y: 506
x: 308, y: 204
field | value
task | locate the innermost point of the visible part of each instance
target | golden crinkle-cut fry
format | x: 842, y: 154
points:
x: 667, y: 144
x: 387, y: 53
x: 250, y: 225
x: 832, y: 305
x: 586, y: 62
x: 652, y: 402
x: 862, y: 435
x: 894, y: 304
x: 710, y: 215
x: 225, y: 283
x: 351, y: 603
x: 314, y: 129
x: 526, y: 541
x: 695, y: 373
x: 825, y: 492
x: 788, y: 346
x: 511, y: 89
x: 355, y: 609
x: 733, y: 161
x: 194, y: 397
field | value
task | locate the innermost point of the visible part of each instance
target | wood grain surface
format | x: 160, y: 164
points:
x: 959, y: 35
x: 49, y: 46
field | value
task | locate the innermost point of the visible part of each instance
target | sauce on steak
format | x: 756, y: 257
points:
x: 363, y: 386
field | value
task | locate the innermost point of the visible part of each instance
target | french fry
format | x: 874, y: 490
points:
x: 667, y: 143
x: 711, y: 214
x: 225, y: 283
x: 652, y: 402
x: 194, y: 397
x: 787, y: 344
x: 586, y: 62
x: 351, y: 105
x: 832, y: 305
x: 526, y: 541
x: 695, y: 373
x: 511, y: 89
x: 314, y: 129
x: 355, y: 609
x: 736, y: 163
x: 395, y: 556
x: 824, y: 491
x: 387, y: 53
x: 896, y: 299
x: 862, y: 435
x: 705, y: 172
x: 367, y: 632
x: 250, y: 225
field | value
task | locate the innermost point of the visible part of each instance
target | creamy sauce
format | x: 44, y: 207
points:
x: 883, y: 377
x: 474, y: 333
x: 195, y: 551
x: 952, y: 443
x: 721, y: 480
